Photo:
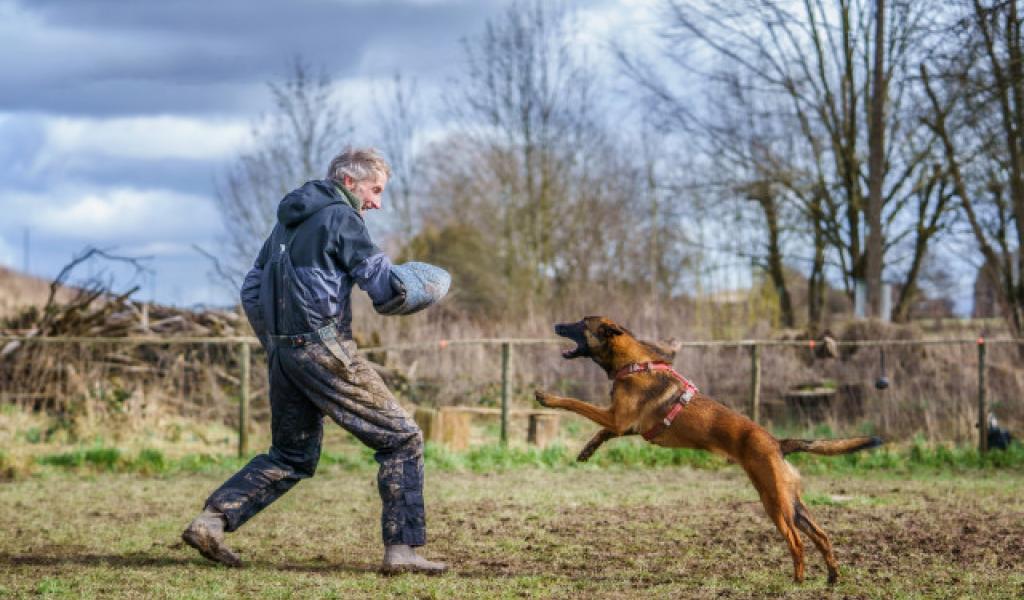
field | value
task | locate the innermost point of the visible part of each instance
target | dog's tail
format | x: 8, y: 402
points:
x: 830, y: 447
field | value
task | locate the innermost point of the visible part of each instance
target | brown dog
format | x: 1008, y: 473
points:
x: 649, y: 398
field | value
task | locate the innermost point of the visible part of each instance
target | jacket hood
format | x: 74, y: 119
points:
x: 300, y: 204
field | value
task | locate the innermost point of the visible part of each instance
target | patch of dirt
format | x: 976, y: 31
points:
x: 579, y: 534
x: 648, y: 546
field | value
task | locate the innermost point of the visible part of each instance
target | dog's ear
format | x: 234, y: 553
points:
x: 668, y: 347
x: 609, y: 330
x: 665, y: 351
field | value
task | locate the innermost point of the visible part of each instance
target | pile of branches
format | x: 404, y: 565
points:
x: 95, y: 310
x: 63, y: 376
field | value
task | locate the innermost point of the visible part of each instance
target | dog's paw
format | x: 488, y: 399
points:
x: 542, y: 398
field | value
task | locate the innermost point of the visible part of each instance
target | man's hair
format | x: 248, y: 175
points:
x: 358, y: 163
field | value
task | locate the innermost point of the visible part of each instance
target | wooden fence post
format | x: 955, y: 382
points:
x: 982, y: 404
x: 504, y: 392
x: 755, y: 383
x: 243, y: 404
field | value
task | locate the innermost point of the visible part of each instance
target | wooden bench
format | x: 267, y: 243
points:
x: 450, y: 425
x: 810, y: 405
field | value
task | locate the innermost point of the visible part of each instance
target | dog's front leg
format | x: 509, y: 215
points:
x: 609, y: 418
x: 595, y: 442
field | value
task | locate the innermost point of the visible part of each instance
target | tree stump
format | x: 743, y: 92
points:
x: 453, y: 425
x: 426, y: 418
x: 543, y: 429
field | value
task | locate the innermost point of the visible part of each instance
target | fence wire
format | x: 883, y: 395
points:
x: 933, y: 388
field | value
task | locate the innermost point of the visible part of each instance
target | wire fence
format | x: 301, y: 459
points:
x: 942, y: 389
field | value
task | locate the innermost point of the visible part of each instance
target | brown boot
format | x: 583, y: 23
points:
x: 400, y: 558
x: 206, y: 534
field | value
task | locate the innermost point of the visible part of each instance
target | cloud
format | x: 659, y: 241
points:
x: 117, y: 216
x: 38, y: 152
x: 608, y: 21
x: 161, y: 250
x: 116, y: 116
x: 104, y: 57
x: 143, y: 138
x: 22, y: 138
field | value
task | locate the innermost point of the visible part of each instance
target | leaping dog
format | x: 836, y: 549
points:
x: 650, y: 398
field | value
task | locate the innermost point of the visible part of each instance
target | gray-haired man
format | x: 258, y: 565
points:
x: 297, y: 298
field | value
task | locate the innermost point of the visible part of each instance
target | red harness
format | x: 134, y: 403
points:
x: 686, y: 392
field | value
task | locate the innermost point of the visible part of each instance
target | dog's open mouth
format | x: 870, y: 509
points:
x: 573, y: 353
x: 574, y: 332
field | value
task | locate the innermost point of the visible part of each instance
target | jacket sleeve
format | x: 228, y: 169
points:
x: 250, y: 295
x: 374, y: 277
x: 356, y: 253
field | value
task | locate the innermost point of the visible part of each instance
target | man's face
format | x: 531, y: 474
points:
x: 367, y: 191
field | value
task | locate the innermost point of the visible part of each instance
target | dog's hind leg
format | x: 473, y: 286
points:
x: 775, y: 489
x: 783, y: 520
x: 819, y: 537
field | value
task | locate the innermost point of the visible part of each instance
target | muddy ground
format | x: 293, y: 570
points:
x: 574, y: 533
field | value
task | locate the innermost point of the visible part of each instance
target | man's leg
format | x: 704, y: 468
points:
x: 356, y: 398
x: 297, y: 431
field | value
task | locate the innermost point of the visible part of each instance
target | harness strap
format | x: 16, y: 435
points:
x: 686, y: 392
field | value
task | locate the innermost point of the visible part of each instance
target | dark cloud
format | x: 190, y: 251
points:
x: 103, y: 57
x: 141, y: 96
x: 73, y: 173
x: 181, y: 175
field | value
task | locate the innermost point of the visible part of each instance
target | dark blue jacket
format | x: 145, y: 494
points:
x: 304, y: 274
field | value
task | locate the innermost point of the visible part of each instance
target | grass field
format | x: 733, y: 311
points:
x: 613, y: 532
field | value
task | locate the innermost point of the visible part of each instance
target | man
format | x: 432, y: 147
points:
x: 297, y: 298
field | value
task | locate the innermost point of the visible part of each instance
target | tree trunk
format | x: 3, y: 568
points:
x: 775, y: 268
x: 876, y: 167
x: 816, y: 281
x: 909, y: 290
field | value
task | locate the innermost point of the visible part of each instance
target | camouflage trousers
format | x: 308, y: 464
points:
x: 307, y: 383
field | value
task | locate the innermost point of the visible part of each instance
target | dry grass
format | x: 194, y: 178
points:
x: 18, y: 291
x: 933, y: 392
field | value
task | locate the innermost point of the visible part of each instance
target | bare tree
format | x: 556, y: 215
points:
x: 526, y: 104
x: 803, y: 72
x: 400, y: 116
x: 291, y: 145
x: 975, y: 86
x: 532, y: 171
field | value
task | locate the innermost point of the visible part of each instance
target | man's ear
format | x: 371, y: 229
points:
x: 609, y: 330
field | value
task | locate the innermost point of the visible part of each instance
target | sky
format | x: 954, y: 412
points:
x: 117, y: 117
